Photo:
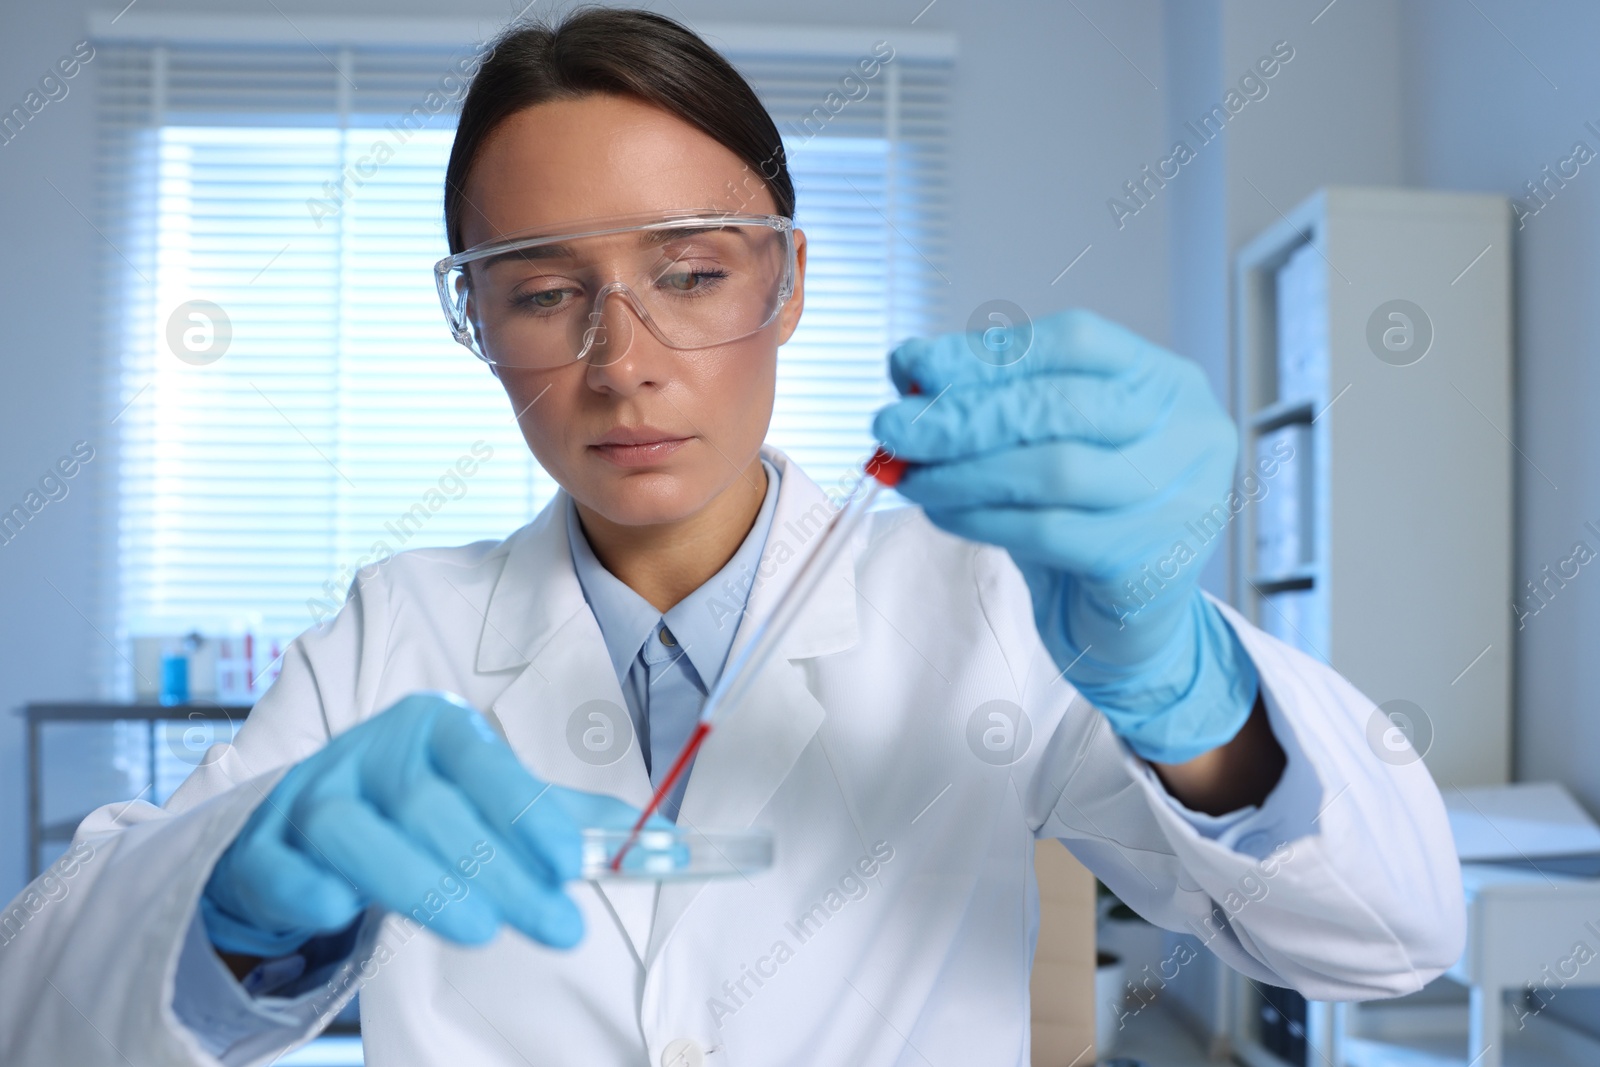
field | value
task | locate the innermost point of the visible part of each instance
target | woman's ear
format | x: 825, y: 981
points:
x: 789, y: 317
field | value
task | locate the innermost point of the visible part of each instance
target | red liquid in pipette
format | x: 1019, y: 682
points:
x: 700, y: 731
x: 887, y: 470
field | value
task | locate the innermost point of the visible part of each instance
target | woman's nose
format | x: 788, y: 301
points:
x: 621, y: 352
x: 608, y: 335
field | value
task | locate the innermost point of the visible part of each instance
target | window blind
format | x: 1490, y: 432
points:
x: 289, y: 406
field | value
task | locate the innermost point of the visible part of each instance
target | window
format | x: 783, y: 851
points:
x: 290, y: 406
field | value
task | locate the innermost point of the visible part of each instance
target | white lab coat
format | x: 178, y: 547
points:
x: 855, y: 753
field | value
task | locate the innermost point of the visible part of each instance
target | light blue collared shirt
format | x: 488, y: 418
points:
x: 667, y: 662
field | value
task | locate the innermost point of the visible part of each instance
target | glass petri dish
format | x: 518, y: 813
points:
x: 679, y: 854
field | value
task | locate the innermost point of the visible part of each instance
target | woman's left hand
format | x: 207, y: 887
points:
x: 1103, y: 464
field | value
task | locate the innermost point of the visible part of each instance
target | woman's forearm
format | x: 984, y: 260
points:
x: 1230, y: 776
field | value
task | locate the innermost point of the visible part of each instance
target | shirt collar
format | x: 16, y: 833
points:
x: 703, y: 622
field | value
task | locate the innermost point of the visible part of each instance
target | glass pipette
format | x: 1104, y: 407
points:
x: 880, y: 471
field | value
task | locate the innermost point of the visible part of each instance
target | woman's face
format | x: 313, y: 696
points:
x: 591, y: 423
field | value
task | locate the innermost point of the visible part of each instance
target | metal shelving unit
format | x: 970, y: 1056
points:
x: 169, y: 742
x: 175, y: 738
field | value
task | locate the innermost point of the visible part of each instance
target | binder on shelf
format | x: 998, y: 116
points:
x: 1283, y: 519
x: 1302, y: 284
x: 1283, y: 1023
x: 1298, y: 617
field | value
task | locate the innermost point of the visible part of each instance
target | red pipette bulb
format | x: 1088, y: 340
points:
x: 885, y: 467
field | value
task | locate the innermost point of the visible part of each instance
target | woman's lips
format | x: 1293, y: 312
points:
x: 642, y: 454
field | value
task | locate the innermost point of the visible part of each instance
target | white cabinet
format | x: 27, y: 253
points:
x: 1372, y: 375
x: 1373, y: 381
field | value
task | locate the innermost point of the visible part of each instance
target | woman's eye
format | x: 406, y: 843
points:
x: 687, y: 281
x: 542, y: 299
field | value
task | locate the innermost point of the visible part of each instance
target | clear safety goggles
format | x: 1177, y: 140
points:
x: 695, y: 279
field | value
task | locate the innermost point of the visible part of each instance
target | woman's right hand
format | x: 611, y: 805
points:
x: 421, y: 809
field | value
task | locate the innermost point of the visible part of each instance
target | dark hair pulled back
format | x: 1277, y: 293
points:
x: 621, y: 51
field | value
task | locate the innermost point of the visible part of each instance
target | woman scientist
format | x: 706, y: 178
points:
x: 620, y: 216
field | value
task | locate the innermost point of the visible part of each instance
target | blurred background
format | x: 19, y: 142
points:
x: 228, y: 387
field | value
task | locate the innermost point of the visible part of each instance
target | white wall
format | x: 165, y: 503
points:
x: 1482, y: 117
x: 1049, y: 119
x: 1482, y: 113
x: 1328, y: 116
x: 48, y: 349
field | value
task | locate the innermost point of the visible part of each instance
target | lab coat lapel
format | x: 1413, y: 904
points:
x: 563, y: 714
x: 754, y: 748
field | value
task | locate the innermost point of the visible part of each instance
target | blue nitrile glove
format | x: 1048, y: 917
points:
x: 1099, y: 461
x: 421, y: 809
